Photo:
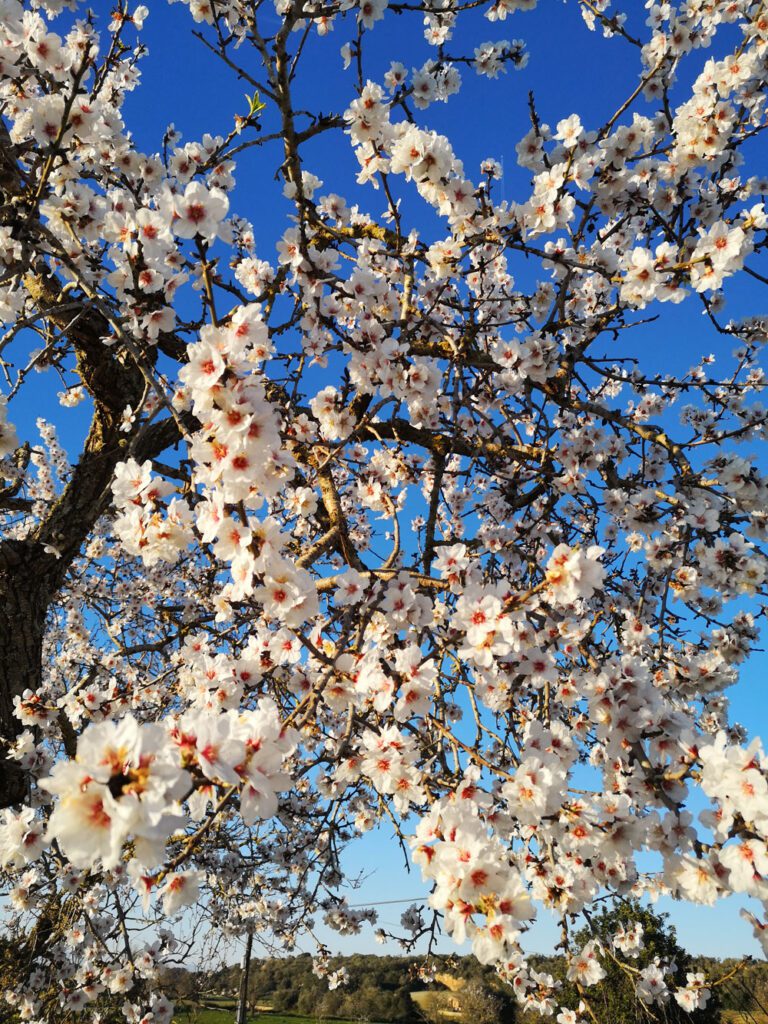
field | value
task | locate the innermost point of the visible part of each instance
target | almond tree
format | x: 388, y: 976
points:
x: 364, y: 531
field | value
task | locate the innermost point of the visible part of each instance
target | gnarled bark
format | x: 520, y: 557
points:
x: 33, y: 569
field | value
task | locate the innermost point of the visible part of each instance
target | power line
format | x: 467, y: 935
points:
x: 384, y: 902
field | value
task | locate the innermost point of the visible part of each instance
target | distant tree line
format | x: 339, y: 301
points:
x: 380, y: 988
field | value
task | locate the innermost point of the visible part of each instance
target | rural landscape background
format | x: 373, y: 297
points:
x: 390, y: 989
x: 440, y: 988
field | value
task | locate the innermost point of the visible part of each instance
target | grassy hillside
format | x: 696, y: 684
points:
x: 394, y: 990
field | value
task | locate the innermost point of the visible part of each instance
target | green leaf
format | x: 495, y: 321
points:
x: 255, y: 105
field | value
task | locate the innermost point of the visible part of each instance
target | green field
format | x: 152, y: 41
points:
x: 226, y: 1015
x: 204, y: 1015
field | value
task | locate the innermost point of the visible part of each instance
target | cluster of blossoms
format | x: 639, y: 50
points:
x: 394, y: 526
x: 321, y: 968
x: 128, y: 779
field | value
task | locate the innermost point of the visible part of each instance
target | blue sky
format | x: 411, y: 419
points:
x: 570, y: 70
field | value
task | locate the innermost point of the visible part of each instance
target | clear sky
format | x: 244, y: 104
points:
x: 570, y: 70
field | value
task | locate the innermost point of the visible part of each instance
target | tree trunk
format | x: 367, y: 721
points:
x: 24, y: 598
x: 30, y: 576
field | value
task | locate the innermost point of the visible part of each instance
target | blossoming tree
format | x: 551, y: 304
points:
x: 362, y: 530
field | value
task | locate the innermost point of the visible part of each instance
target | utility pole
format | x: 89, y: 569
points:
x: 242, y: 1001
